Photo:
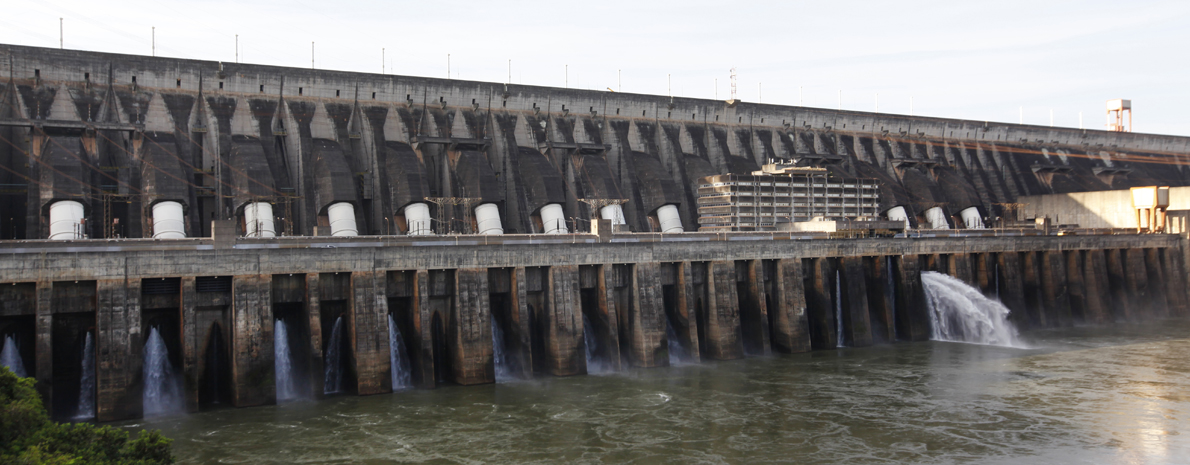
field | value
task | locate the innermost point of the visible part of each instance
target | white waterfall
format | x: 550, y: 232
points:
x: 163, y: 389
x: 960, y: 313
x: 283, y: 361
x: 333, y: 375
x: 11, y: 357
x: 86, y: 405
x: 398, y: 360
x: 595, y: 364
x: 498, y: 356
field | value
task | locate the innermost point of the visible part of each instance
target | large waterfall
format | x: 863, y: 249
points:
x: 960, y: 313
x: 398, y: 360
x: 333, y: 373
x: 86, y: 405
x: 11, y: 357
x: 286, y: 387
x: 163, y: 390
x: 498, y: 356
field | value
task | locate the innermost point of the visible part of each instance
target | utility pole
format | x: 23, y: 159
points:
x: 60, y: 33
x: 448, y: 66
x: 383, y: 63
x: 238, y: 51
x: 509, y: 71
x: 311, y: 54
x: 154, y: 40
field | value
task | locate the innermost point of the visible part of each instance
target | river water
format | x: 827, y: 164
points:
x: 1118, y: 395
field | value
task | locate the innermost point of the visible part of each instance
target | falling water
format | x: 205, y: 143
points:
x: 677, y: 353
x: 498, y: 356
x: 595, y: 364
x: 960, y: 313
x: 838, y: 311
x: 11, y: 357
x: 163, y: 394
x: 286, y: 389
x: 397, y: 357
x: 86, y: 406
x: 333, y: 379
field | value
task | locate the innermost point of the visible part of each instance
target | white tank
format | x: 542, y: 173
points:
x: 168, y: 221
x: 553, y: 219
x: 667, y: 215
x: 614, y: 213
x: 937, y: 218
x: 258, y: 220
x: 971, y: 218
x: 487, y: 217
x: 898, y: 214
x: 342, y: 219
x: 417, y: 219
x: 66, y: 220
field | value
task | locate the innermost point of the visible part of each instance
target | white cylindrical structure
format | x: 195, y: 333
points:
x: 66, y: 220
x: 971, y: 218
x: 937, y: 218
x: 898, y: 214
x: 168, y: 221
x: 417, y: 219
x: 342, y: 219
x: 667, y: 215
x: 614, y: 213
x: 553, y: 220
x: 258, y: 220
x: 487, y: 217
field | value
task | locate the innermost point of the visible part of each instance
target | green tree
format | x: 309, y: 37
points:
x: 27, y: 436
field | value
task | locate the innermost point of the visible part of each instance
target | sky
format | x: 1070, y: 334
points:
x: 1004, y: 61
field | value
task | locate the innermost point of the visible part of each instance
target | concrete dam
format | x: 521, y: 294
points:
x: 206, y: 233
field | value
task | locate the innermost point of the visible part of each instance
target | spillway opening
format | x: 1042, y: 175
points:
x: 597, y: 338
x: 214, y: 361
x: 504, y: 362
x: 698, y: 276
x: 535, y: 282
x: 751, y: 325
x: 677, y: 327
x: 442, y: 365
x: 291, y: 351
x: 823, y: 303
x: 17, y: 335
x: 13, y: 211
x: 338, y: 365
x: 73, y: 375
x: 161, y: 383
x: 402, y: 313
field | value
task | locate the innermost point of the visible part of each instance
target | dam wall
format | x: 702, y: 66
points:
x: 397, y: 155
x: 721, y: 296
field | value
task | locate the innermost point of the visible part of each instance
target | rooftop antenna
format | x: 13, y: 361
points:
x: 448, y: 66
x: 383, y: 61
x: 238, y: 51
x: 311, y: 54
x: 60, y: 33
x: 154, y: 40
x: 733, y: 83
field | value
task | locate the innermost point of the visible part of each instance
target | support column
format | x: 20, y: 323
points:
x: 469, y: 329
x: 1076, y: 285
x: 646, y: 318
x: 790, y: 331
x: 423, y: 352
x: 314, y: 322
x: 686, y: 322
x: 913, y: 319
x: 1034, y: 300
x: 252, y: 369
x: 880, y: 300
x: 369, y: 332
x: 190, y: 344
x: 754, y: 318
x: 1055, y: 294
x: 519, y: 340
x: 1098, y: 289
x: 1175, y: 281
x: 1012, y: 288
x: 959, y: 265
x: 1136, y: 282
x: 1121, y: 297
x: 820, y: 299
x: 857, y: 329
x: 120, y: 357
x: 1157, y: 288
x: 608, y: 315
x: 724, y: 336
x: 43, y: 351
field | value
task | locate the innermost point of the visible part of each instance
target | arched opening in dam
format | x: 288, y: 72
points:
x: 215, y: 380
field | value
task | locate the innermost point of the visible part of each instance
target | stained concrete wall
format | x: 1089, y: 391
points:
x: 1103, y: 209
